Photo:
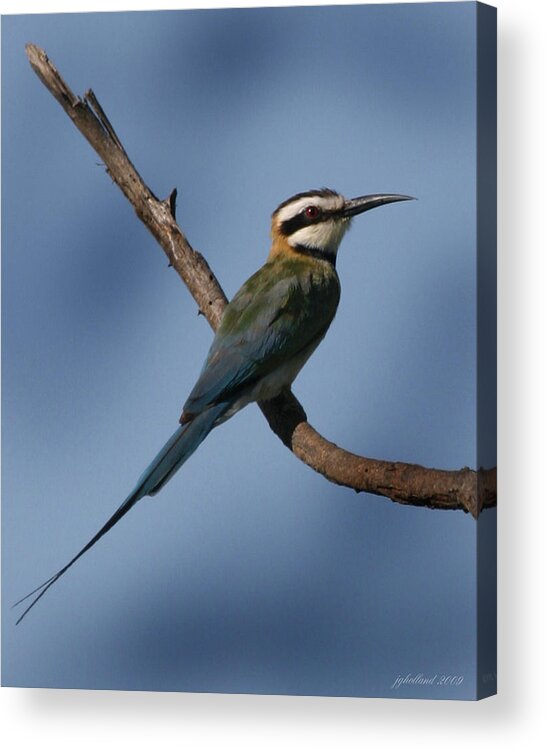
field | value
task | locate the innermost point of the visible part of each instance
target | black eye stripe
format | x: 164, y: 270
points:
x: 301, y: 220
x: 292, y: 225
x: 323, y: 193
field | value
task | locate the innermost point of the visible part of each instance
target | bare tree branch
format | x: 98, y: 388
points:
x: 409, y: 484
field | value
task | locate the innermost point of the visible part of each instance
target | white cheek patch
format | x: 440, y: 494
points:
x: 326, y: 235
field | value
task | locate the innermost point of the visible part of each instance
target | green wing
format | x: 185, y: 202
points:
x: 277, y: 313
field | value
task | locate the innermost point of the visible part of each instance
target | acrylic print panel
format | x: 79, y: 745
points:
x: 249, y: 572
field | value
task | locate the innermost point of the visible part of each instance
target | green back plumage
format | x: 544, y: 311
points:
x: 279, y: 312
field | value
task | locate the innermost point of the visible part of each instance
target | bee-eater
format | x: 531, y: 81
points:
x: 267, y: 333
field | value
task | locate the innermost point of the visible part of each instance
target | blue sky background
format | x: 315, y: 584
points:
x: 249, y: 572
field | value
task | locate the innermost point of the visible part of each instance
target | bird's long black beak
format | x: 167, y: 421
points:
x: 365, y: 202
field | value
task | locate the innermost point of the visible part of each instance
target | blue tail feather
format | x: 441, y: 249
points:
x: 170, y: 458
x: 180, y: 446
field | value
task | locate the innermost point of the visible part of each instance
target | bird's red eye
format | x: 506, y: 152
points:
x: 311, y: 212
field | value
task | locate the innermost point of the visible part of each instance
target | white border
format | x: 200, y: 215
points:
x: 80, y: 719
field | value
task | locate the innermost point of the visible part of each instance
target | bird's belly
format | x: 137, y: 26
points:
x: 271, y: 385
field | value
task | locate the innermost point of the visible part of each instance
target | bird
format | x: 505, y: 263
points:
x: 267, y: 333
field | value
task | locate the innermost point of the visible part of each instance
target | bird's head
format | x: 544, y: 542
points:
x: 314, y: 222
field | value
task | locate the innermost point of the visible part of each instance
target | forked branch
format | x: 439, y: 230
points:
x: 409, y: 484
